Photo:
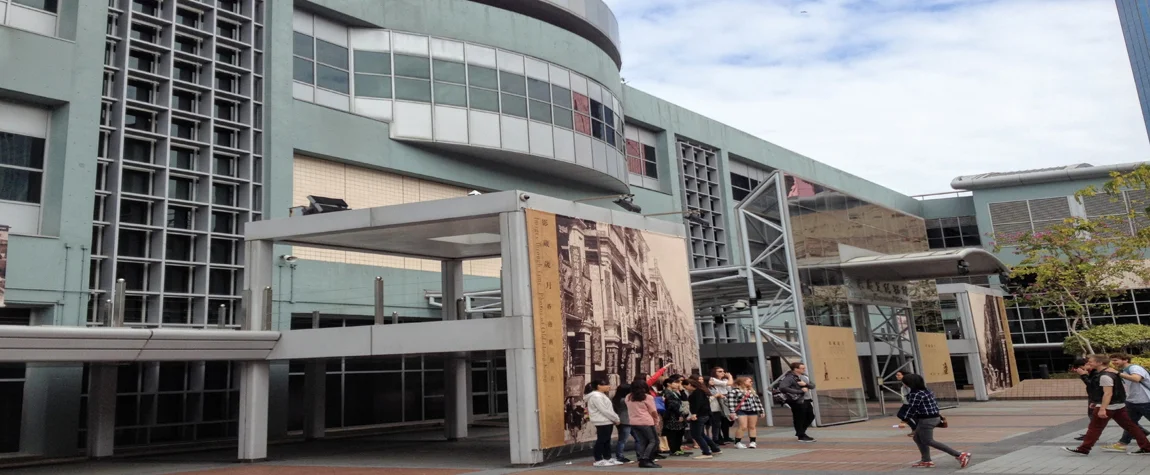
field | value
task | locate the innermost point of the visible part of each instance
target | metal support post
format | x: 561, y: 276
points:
x: 101, y: 410
x: 315, y: 390
x: 223, y: 316
x: 395, y: 318
x: 119, y: 303
x: 761, y: 357
x: 267, y: 320
x: 456, y: 369
x: 379, y: 301
x: 255, y: 375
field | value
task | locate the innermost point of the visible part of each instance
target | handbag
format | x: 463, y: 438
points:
x: 660, y: 404
x: 942, y: 422
x: 779, y: 397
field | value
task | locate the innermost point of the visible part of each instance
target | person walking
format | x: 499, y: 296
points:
x: 603, y: 417
x: 699, y: 401
x: 642, y: 412
x: 721, y: 382
x: 1136, y: 382
x: 619, y: 401
x: 745, y: 407
x: 675, y: 414
x: 1107, y: 398
x: 797, y: 387
x: 921, y: 412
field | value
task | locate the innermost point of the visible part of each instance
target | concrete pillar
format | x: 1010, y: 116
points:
x: 51, y: 413
x: 101, y: 410
x: 456, y: 397
x: 522, y: 398
x: 314, y: 399
x: 255, y: 375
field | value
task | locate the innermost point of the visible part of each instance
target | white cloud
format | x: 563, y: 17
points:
x: 905, y: 93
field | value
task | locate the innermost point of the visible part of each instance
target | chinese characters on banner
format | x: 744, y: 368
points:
x: 548, y: 320
x: 895, y: 294
x: 935, y: 358
x: 3, y: 261
x: 834, y: 360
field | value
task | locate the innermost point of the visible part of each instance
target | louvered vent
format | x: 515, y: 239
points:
x: 1049, y: 209
x: 1103, y: 205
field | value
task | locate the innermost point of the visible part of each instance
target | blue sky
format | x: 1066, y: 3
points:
x: 906, y: 93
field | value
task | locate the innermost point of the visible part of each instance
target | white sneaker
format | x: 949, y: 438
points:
x: 740, y: 445
x: 753, y: 445
x: 600, y: 463
x: 613, y: 462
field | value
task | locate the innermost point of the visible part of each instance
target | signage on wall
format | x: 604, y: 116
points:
x: 548, y: 318
x: 895, y: 294
x: 834, y: 358
x: 3, y: 261
x: 935, y: 354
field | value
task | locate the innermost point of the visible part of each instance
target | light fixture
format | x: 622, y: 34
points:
x: 288, y: 258
x: 693, y: 215
x: 628, y: 203
x: 474, y: 193
x: 963, y: 267
x: 321, y: 204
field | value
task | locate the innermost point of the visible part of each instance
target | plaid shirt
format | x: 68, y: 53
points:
x: 752, y: 404
x: 919, y: 405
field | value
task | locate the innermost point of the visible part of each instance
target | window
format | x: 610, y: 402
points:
x: 113, y: 23
x: 945, y: 233
x: 224, y: 165
x: 136, y: 181
x: 184, y: 129
x: 109, y: 83
x: 182, y: 158
x: 227, y: 110
x: 50, y: 6
x: 147, y: 7
x: 146, y: 33
x: 137, y: 150
x: 106, y: 114
x: 135, y: 212
x: 139, y: 90
x: 412, y: 78
x: 372, y: 74
x: 582, y: 113
x: 227, y: 56
x: 512, y: 83
x: 331, y: 67
x: 110, y: 53
x: 303, y: 65
x: 180, y: 247
x: 222, y: 251
x: 229, y: 5
x: 641, y: 159
x: 227, y: 82
x: 187, y: 72
x: 180, y: 217
x: 741, y: 186
x: 136, y: 119
x: 21, y: 167
x: 450, y: 78
x: 188, y: 17
x: 133, y: 243
x: 561, y: 112
x: 135, y: 275
x: 187, y: 44
x: 185, y: 100
x: 178, y: 279
x: 221, y: 282
x: 228, y: 30
x: 142, y: 61
x: 223, y: 222
x: 182, y: 188
x: 226, y: 137
x: 223, y: 194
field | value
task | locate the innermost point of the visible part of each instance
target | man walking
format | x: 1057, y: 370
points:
x: 1137, y: 385
x: 1108, y: 399
x: 797, y: 387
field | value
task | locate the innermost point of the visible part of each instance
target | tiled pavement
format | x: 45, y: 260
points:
x: 1005, y: 436
x: 1044, y: 389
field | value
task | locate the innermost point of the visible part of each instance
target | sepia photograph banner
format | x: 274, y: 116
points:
x: 610, y: 303
x: 996, y: 353
x: 834, y: 360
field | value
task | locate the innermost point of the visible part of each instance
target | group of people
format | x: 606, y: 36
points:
x: 667, y: 414
x: 1116, y: 390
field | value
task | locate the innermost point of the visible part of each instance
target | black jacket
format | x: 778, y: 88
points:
x: 789, y: 385
x: 1094, y: 391
x: 700, y: 403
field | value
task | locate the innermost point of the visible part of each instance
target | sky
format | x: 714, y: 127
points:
x: 905, y: 93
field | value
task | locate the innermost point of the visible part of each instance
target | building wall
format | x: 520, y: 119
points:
x: 1134, y: 16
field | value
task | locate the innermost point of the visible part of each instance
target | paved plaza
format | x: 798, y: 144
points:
x: 1021, y: 437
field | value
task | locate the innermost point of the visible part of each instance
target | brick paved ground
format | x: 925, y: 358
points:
x: 1005, y: 436
x: 1045, y: 389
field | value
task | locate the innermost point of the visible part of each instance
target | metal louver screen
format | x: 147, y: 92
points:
x: 1047, y: 209
x: 1009, y: 212
x: 1103, y: 205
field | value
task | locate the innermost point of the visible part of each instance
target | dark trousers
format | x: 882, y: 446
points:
x: 1123, y: 420
x: 699, y: 433
x: 602, y: 447
x: 803, y: 413
x: 924, y: 438
x: 647, y: 443
x: 625, y: 433
x: 1136, y: 411
x: 717, y: 428
x: 727, y: 422
x: 674, y: 440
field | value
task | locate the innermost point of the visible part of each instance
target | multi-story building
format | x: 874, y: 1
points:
x: 1134, y: 15
x: 143, y: 164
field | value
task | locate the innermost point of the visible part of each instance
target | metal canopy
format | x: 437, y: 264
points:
x: 924, y: 265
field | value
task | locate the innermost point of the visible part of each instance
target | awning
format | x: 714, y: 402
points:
x: 924, y: 265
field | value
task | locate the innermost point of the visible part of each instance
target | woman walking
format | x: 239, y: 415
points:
x: 921, y: 412
x: 642, y: 412
x: 624, y: 427
x: 604, y: 418
x: 675, y: 414
x: 700, y: 403
x: 746, y: 407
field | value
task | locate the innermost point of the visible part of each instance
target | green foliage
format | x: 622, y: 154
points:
x: 1107, y: 338
x: 1142, y: 361
x: 1072, y: 267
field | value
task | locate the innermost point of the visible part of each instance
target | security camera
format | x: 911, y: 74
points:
x: 474, y: 193
x: 288, y: 258
x: 740, y: 304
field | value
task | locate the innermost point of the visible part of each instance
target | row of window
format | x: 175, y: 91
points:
x: 21, y: 167
x: 945, y: 233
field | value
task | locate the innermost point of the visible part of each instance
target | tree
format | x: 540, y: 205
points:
x: 1074, y: 266
x: 1126, y: 337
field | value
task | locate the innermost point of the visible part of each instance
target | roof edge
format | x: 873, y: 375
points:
x: 982, y: 182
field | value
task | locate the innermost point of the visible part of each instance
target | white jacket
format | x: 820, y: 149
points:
x: 600, y: 409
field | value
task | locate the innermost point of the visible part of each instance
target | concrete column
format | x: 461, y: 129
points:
x: 101, y: 410
x: 456, y: 368
x: 314, y: 399
x: 522, y: 398
x: 51, y: 412
x: 255, y: 375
